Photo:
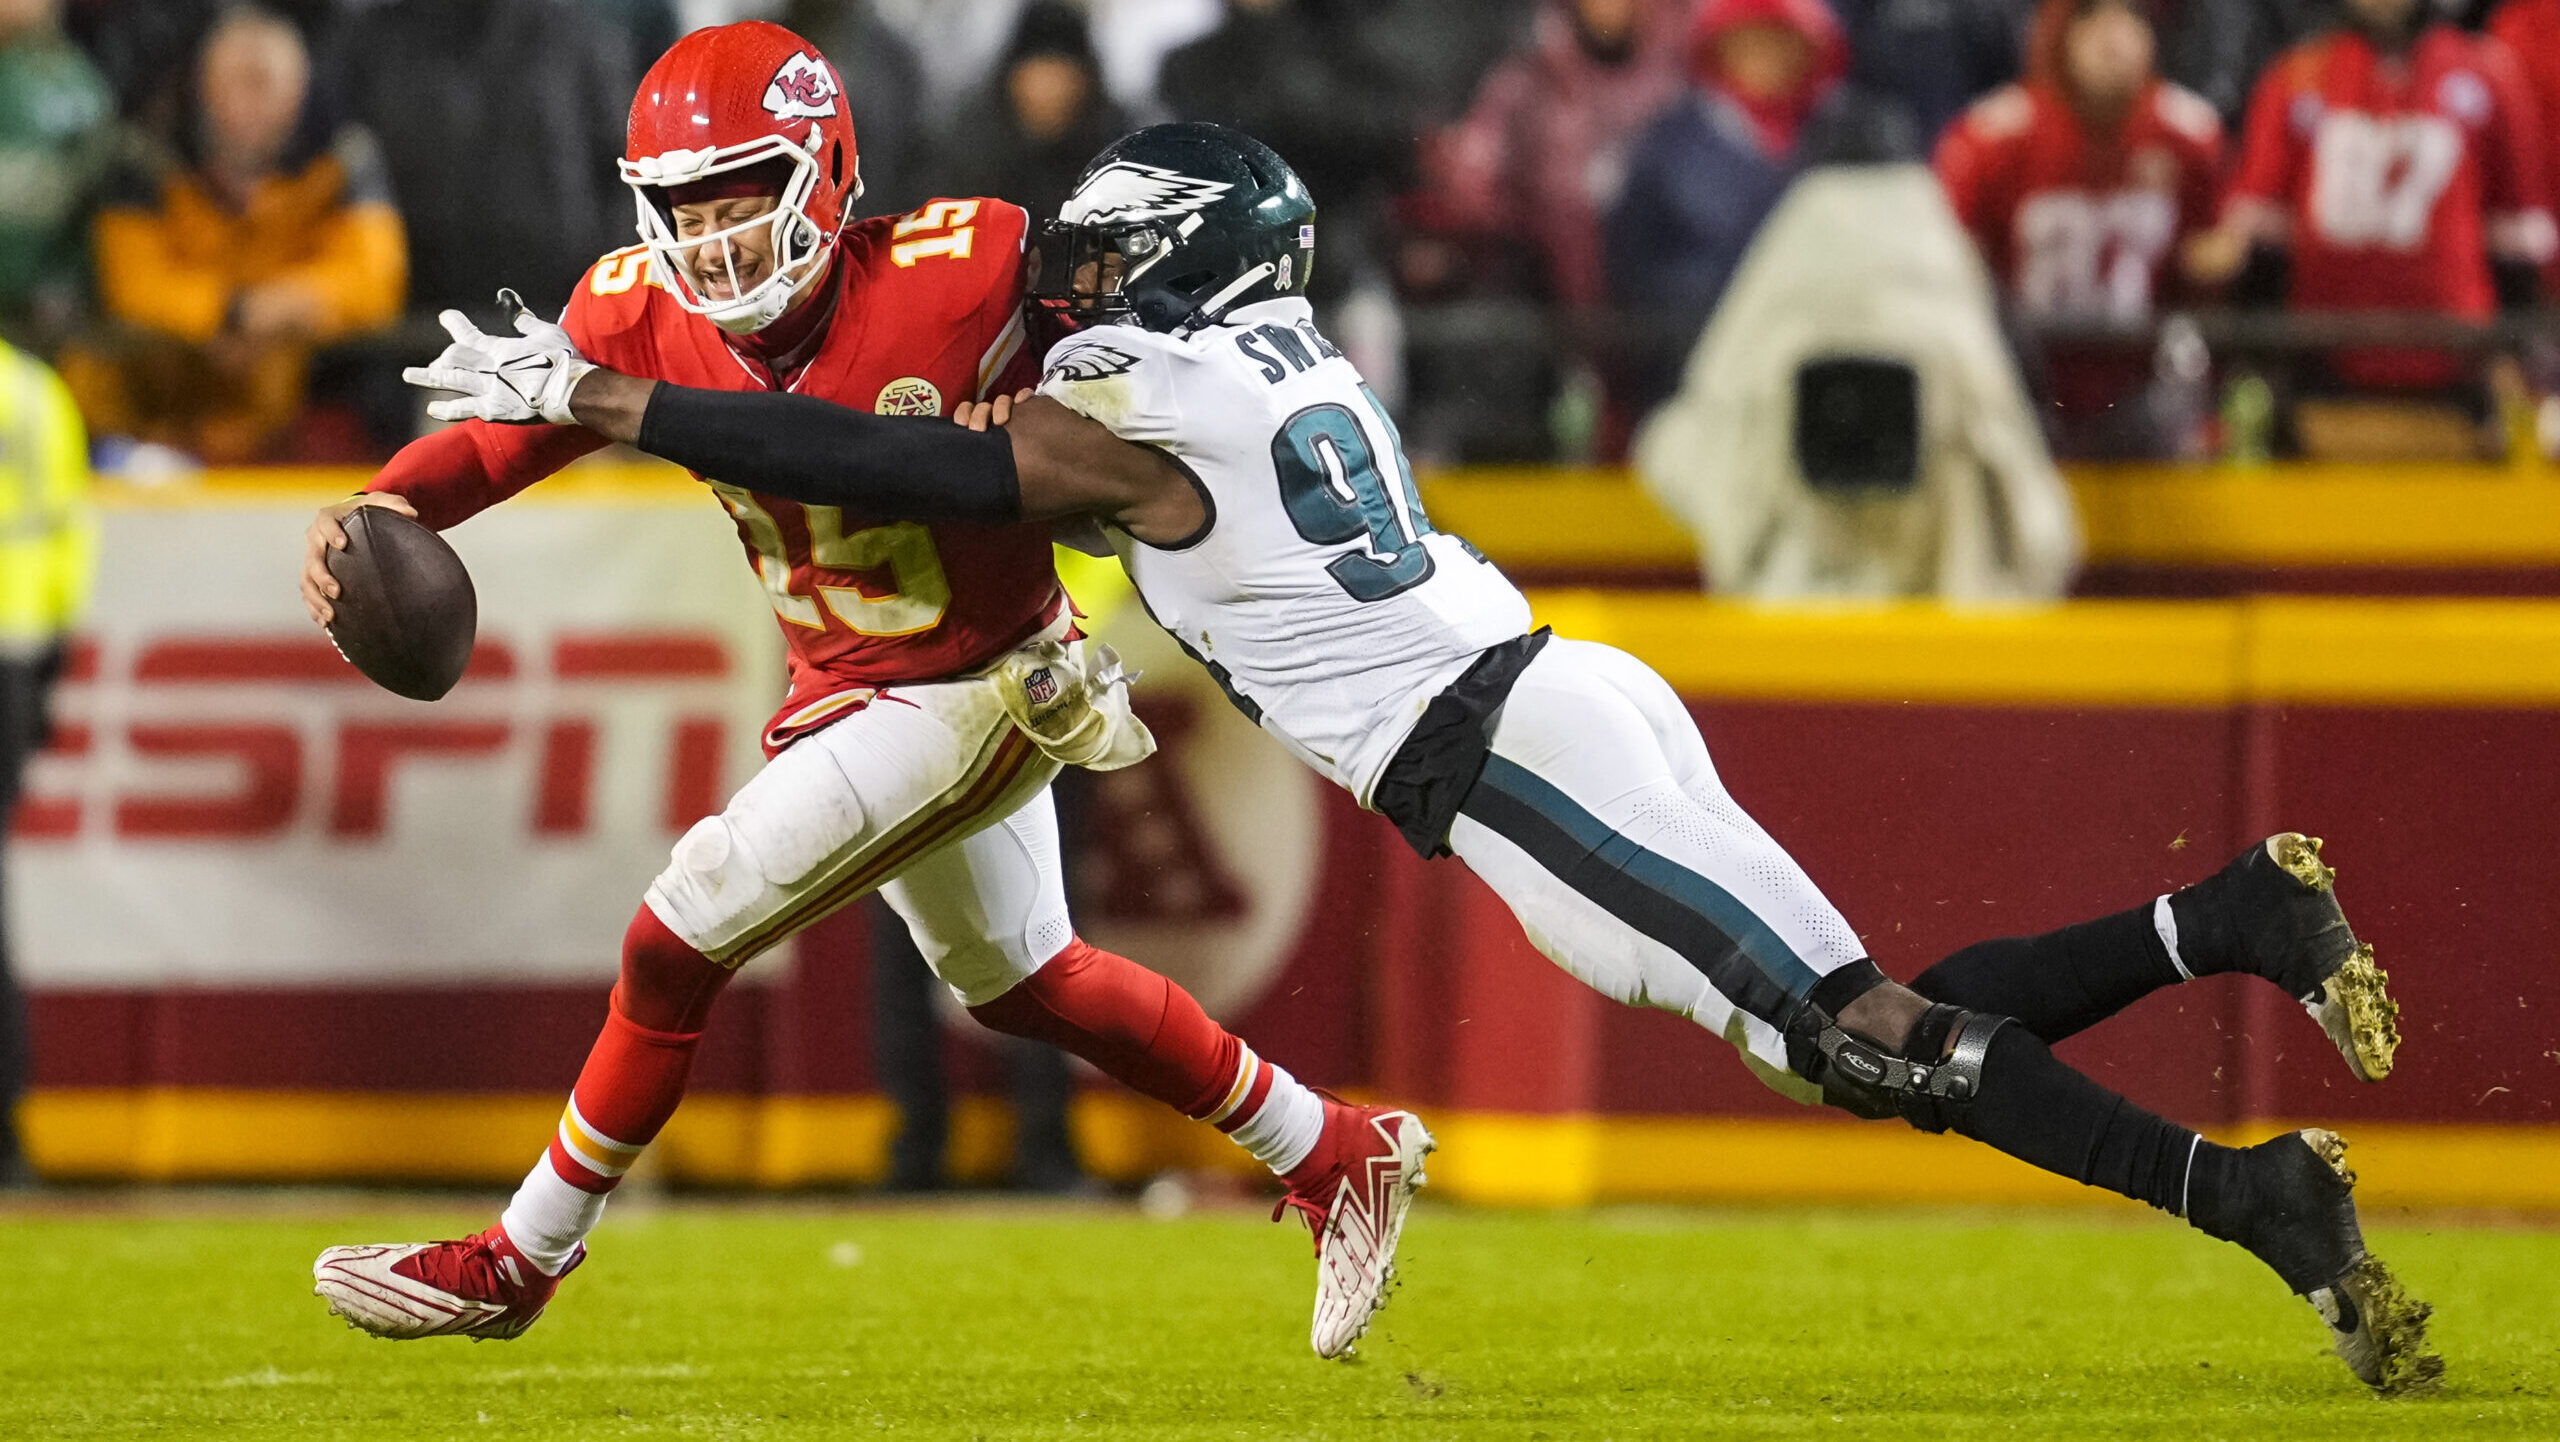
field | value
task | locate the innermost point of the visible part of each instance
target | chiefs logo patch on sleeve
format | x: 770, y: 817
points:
x: 801, y: 90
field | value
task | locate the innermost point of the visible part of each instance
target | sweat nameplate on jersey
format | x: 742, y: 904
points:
x: 1302, y: 346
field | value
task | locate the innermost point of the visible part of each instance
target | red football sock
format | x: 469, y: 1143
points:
x: 1148, y: 1034
x: 1138, y: 1028
x: 636, y: 1073
x: 665, y: 984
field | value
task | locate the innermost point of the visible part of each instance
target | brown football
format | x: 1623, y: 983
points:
x: 406, y: 613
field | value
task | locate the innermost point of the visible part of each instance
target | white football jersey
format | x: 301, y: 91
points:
x: 1317, y: 594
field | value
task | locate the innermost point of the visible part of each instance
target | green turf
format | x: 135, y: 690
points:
x: 793, y: 1322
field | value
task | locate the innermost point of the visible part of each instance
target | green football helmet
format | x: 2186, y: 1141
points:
x: 1175, y: 225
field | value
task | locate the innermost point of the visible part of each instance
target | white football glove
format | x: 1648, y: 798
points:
x: 515, y: 379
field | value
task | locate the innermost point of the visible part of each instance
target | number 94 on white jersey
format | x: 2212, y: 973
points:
x: 1317, y: 593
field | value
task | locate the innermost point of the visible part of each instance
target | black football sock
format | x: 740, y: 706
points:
x: 2061, y: 982
x: 2047, y: 1115
x: 2216, y: 1196
x: 2280, y: 1200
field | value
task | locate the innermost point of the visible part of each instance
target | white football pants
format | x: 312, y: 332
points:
x: 928, y: 795
x: 1601, y: 822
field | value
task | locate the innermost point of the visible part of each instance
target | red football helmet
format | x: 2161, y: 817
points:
x: 743, y: 109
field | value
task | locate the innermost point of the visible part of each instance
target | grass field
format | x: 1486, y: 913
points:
x: 192, y: 1317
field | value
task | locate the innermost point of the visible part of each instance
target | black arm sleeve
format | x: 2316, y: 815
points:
x: 807, y: 450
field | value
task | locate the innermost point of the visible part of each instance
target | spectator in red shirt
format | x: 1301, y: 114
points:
x: 1541, y: 152
x: 2394, y: 161
x: 2079, y: 185
x: 2531, y: 28
x: 1510, y: 205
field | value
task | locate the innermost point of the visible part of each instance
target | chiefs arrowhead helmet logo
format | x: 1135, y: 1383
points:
x: 801, y: 90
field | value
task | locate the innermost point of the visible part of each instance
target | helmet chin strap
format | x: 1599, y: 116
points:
x: 764, y: 310
x: 1209, y: 311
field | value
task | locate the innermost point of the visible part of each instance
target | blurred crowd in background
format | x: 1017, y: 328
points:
x: 1840, y: 279
x: 228, y: 225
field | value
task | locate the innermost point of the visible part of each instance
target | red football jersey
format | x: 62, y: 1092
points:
x: 2531, y: 29
x: 2386, y: 174
x: 2076, y: 220
x: 928, y: 315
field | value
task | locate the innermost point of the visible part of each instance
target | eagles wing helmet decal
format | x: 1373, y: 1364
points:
x: 1125, y: 190
x: 1092, y: 361
x: 801, y: 90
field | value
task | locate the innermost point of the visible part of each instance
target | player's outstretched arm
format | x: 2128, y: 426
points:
x: 1040, y: 462
x: 1058, y: 451
x: 449, y: 476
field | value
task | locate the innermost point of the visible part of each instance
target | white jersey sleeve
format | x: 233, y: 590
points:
x: 1318, y: 593
x: 1105, y: 376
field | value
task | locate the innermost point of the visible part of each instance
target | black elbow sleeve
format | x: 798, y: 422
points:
x: 808, y: 450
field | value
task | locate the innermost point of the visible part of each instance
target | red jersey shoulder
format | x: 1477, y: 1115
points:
x: 2307, y: 68
x: 2004, y: 114
x: 2188, y: 116
x: 609, y: 311
x: 1978, y: 156
x: 2531, y: 28
x: 2502, y: 70
x: 947, y: 257
x: 2287, y: 107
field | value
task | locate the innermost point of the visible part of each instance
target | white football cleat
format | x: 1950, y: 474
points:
x: 478, y: 1287
x: 1356, y: 1208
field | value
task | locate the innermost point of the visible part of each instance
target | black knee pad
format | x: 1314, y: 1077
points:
x: 1867, y: 1079
x: 1947, y: 1092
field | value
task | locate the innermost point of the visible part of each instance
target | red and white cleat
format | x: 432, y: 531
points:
x: 1367, y: 1168
x: 478, y: 1287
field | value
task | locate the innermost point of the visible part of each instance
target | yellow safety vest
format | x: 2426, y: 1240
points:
x: 48, y: 536
x: 1099, y: 586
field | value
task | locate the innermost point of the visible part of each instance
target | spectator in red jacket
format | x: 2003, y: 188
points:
x: 1509, y: 205
x: 2079, y: 185
x: 2398, y: 163
x: 1540, y: 154
x: 2531, y: 28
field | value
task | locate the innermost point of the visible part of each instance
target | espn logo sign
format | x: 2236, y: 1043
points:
x: 243, y: 737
